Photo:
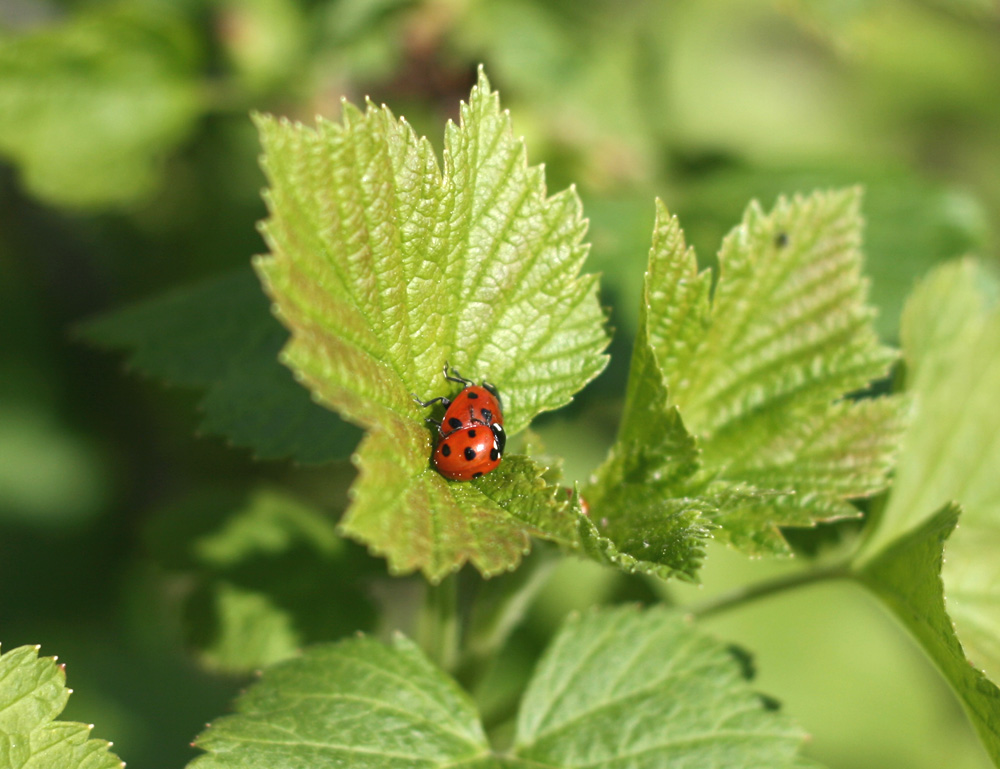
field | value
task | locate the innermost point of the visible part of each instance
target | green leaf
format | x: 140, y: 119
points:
x: 356, y: 703
x: 786, y: 334
x: 620, y: 687
x: 735, y: 420
x: 758, y: 368
x: 32, y: 694
x: 220, y: 336
x: 907, y: 577
x: 239, y: 631
x: 951, y: 337
x: 625, y: 687
x: 117, y: 82
x: 905, y: 213
x: 641, y: 523
x: 384, y: 266
x: 252, y: 578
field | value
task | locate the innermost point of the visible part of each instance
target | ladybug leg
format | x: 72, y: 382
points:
x: 424, y: 404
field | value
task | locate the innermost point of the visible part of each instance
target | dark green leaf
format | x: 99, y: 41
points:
x: 219, y: 336
x: 253, y: 578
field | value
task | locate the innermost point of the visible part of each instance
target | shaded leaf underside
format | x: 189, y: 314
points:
x: 907, y: 577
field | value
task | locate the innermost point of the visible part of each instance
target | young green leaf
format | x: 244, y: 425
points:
x: 618, y: 687
x: 734, y: 420
x: 220, y: 336
x: 907, y: 577
x: 117, y: 82
x: 625, y: 687
x: 760, y: 371
x: 951, y: 339
x: 643, y: 521
x: 383, y: 266
x: 757, y: 371
x: 32, y: 694
x: 357, y: 703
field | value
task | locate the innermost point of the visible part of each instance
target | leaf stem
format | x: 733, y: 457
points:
x: 438, y: 626
x: 493, y: 633
x: 746, y: 594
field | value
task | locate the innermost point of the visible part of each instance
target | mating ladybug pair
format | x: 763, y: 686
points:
x: 472, y: 435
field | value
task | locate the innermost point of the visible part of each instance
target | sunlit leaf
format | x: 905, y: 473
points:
x: 951, y: 341
x: 357, y: 703
x: 32, y: 694
x: 384, y: 266
x: 617, y: 688
x: 625, y: 687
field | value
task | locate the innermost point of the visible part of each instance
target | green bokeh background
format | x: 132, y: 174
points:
x: 128, y: 166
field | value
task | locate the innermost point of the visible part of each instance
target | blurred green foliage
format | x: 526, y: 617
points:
x: 129, y: 167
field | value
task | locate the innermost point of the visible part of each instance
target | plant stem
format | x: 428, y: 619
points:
x: 510, y: 613
x: 438, y: 626
x: 746, y: 594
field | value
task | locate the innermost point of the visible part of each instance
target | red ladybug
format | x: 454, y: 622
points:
x: 472, y: 435
x: 470, y: 451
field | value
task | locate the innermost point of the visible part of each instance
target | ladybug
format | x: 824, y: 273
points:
x: 472, y: 435
x: 470, y: 451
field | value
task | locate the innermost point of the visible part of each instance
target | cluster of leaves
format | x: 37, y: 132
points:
x: 603, y: 670
x: 382, y: 267
x: 736, y: 422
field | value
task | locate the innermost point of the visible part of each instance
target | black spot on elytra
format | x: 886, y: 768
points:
x: 470, y: 453
x: 472, y: 433
x: 454, y: 423
x: 446, y: 450
x: 487, y: 415
x: 494, y: 454
x: 473, y: 396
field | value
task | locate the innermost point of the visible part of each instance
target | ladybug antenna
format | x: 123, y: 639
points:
x: 455, y: 376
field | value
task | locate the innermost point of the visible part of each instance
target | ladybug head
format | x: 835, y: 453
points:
x: 492, y: 390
